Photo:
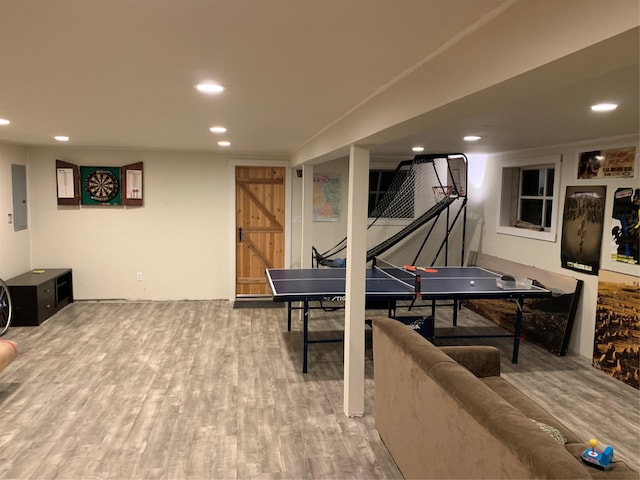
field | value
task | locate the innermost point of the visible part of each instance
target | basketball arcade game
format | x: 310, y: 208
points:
x: 425, y: 190
x: 390, y: 283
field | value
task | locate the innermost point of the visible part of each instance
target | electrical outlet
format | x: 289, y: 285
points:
x: 139, y: 276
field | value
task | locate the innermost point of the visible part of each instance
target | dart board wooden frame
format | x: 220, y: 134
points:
x: 100, y: 185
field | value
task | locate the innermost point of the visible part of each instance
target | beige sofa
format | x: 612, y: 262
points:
x: 446, y: 413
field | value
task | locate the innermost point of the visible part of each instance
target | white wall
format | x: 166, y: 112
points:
x: 178, y: 240
x: 325, y: 234
x: 14, y: 246
x: 485, y: 178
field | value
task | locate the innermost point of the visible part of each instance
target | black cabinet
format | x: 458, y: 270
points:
x: 38, y: 294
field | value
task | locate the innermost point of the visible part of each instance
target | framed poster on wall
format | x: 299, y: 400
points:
x: 326, y: 198
x: 616, y: 341
x: 612, y: 163
x: 625, y: 238
x: 582, y: 224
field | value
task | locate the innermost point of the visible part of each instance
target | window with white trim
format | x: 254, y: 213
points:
x: 529, y: 198
x: 535, y: 197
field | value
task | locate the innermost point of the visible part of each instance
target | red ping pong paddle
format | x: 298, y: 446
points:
x: 413, y: 268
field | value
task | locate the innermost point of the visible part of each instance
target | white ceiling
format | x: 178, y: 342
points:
x: 115, y: 73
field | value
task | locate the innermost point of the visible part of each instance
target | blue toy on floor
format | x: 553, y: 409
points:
x: 598, y: 458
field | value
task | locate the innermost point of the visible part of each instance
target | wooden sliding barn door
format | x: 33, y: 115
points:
x: 260, y: 216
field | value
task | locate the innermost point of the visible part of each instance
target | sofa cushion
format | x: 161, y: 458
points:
x: 481, y: 360
x: 528, y: 407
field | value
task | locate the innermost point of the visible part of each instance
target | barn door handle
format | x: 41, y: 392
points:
x: 240, y: 234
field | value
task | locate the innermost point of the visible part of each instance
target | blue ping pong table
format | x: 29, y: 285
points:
x: 386, y: 282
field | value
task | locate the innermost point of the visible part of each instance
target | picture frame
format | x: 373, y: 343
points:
x: 610, y: 163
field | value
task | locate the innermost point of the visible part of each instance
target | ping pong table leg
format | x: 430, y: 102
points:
x: 288, y: 316
x: 455, y: 313
x: 305, y: 329
x: 391, y: 305
x: 516, y: 333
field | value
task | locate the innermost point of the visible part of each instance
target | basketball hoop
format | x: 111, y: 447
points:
x: 440, y: 192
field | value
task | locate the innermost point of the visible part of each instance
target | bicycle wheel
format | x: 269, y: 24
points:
x: 5, y: 308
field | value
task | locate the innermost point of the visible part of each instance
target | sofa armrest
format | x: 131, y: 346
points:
x: 482, y: 361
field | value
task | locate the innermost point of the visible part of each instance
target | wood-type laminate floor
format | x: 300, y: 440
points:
x: 199, y: 390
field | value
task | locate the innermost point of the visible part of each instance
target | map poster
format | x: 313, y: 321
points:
x: 617, y: 162
x: 326, y: 198
x: 582, y: 225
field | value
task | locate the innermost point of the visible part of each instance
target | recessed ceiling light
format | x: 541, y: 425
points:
x: 218, y: 129
x: 209, y: 88
x: 417, y: 149
x: 4, y: 121
x: 61, y: 138
x: 471, y: 138
x: 604, y: 107
x: 224, y: 143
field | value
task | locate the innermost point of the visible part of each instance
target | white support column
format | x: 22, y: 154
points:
x: 307, y: 216
x: 356, y: 282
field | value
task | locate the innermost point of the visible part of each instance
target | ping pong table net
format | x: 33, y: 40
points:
x: 410, y: 279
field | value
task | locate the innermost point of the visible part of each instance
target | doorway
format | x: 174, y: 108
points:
x: 260, y: 226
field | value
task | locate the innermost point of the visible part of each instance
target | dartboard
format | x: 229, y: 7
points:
x: 102, y: 185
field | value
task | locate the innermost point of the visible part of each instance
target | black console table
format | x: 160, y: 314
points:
x: 38, y: 294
